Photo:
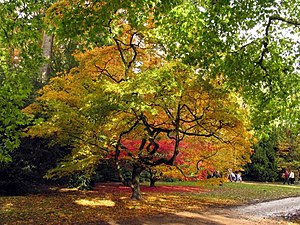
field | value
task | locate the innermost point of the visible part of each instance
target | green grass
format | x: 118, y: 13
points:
x: 240, y: 193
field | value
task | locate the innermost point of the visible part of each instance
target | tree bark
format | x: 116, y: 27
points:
x: 135, y: 186
x: 47, y: 53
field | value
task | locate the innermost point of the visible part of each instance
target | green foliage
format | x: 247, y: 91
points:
x: 90, y: 23
x: 253, y: 44
x: 63, y: 59
x: 11, y: 117
x: 20, y: 61
x: 263, y: 165
x: 80, y: 181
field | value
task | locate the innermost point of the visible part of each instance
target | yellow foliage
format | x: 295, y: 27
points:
x: 96, y: 103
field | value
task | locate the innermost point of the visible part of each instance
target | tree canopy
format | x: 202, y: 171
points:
x: 254, y: 44
x: 97, y: 109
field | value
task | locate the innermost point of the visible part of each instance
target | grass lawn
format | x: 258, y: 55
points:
x: 111, y: 202
x: 250, y: 192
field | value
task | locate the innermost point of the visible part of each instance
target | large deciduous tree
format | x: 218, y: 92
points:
x: 126, y: 92
x: 210, y: 47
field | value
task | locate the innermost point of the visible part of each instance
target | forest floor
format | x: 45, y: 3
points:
x: 110, y: 204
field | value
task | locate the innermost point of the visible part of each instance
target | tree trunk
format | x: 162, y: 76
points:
x: 154, y: 176
x: 152, y: 182
x: 135, y: 186
x: 47, y: 53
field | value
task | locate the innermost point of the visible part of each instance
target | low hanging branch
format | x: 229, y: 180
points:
x: 203, y: 159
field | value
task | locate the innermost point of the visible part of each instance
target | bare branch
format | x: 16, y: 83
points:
x: 105, y: 72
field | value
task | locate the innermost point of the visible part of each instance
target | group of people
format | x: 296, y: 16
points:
x: 234, y: 177
x: 289, y: 177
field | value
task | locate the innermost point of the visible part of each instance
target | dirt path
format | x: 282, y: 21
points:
x: 223, y: 217
x: 262, y: 213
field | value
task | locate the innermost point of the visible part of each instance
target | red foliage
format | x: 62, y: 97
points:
x: 190, y: 153
x: 119, y: 188
x: 188, y: 149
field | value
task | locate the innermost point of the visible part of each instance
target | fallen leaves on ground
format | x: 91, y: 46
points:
x: 106, y: 202
x: 110, y: 203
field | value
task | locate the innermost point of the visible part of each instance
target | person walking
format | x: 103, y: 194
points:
x: 292, y: 177
x: 286, y: 177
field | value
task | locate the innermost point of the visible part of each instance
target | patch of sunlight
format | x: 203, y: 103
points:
x: 53, y: 188
x: 95, y: 202
x: 7, y: 207
x: 152, y: 199
x: 133, y: 207
x: 68, y: 189
x: 168, y: 210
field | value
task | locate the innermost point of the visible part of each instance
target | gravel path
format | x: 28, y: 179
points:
x: 277, y: 208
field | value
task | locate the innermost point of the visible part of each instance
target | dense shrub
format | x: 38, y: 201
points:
x: 263, y: 166
x: 30, y: 162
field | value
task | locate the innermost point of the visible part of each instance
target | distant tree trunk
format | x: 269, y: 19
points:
x: 135, y: 186
x: 154, y: 176
x: 47, y: 53
x: 152, y: 182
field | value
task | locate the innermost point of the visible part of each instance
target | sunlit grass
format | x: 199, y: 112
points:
x: 240, y: 193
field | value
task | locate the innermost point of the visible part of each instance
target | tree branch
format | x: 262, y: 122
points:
x: 204, y: 158
x: 292, y: 22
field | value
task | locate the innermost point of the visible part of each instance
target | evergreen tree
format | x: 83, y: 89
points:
x: 263, y: 166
